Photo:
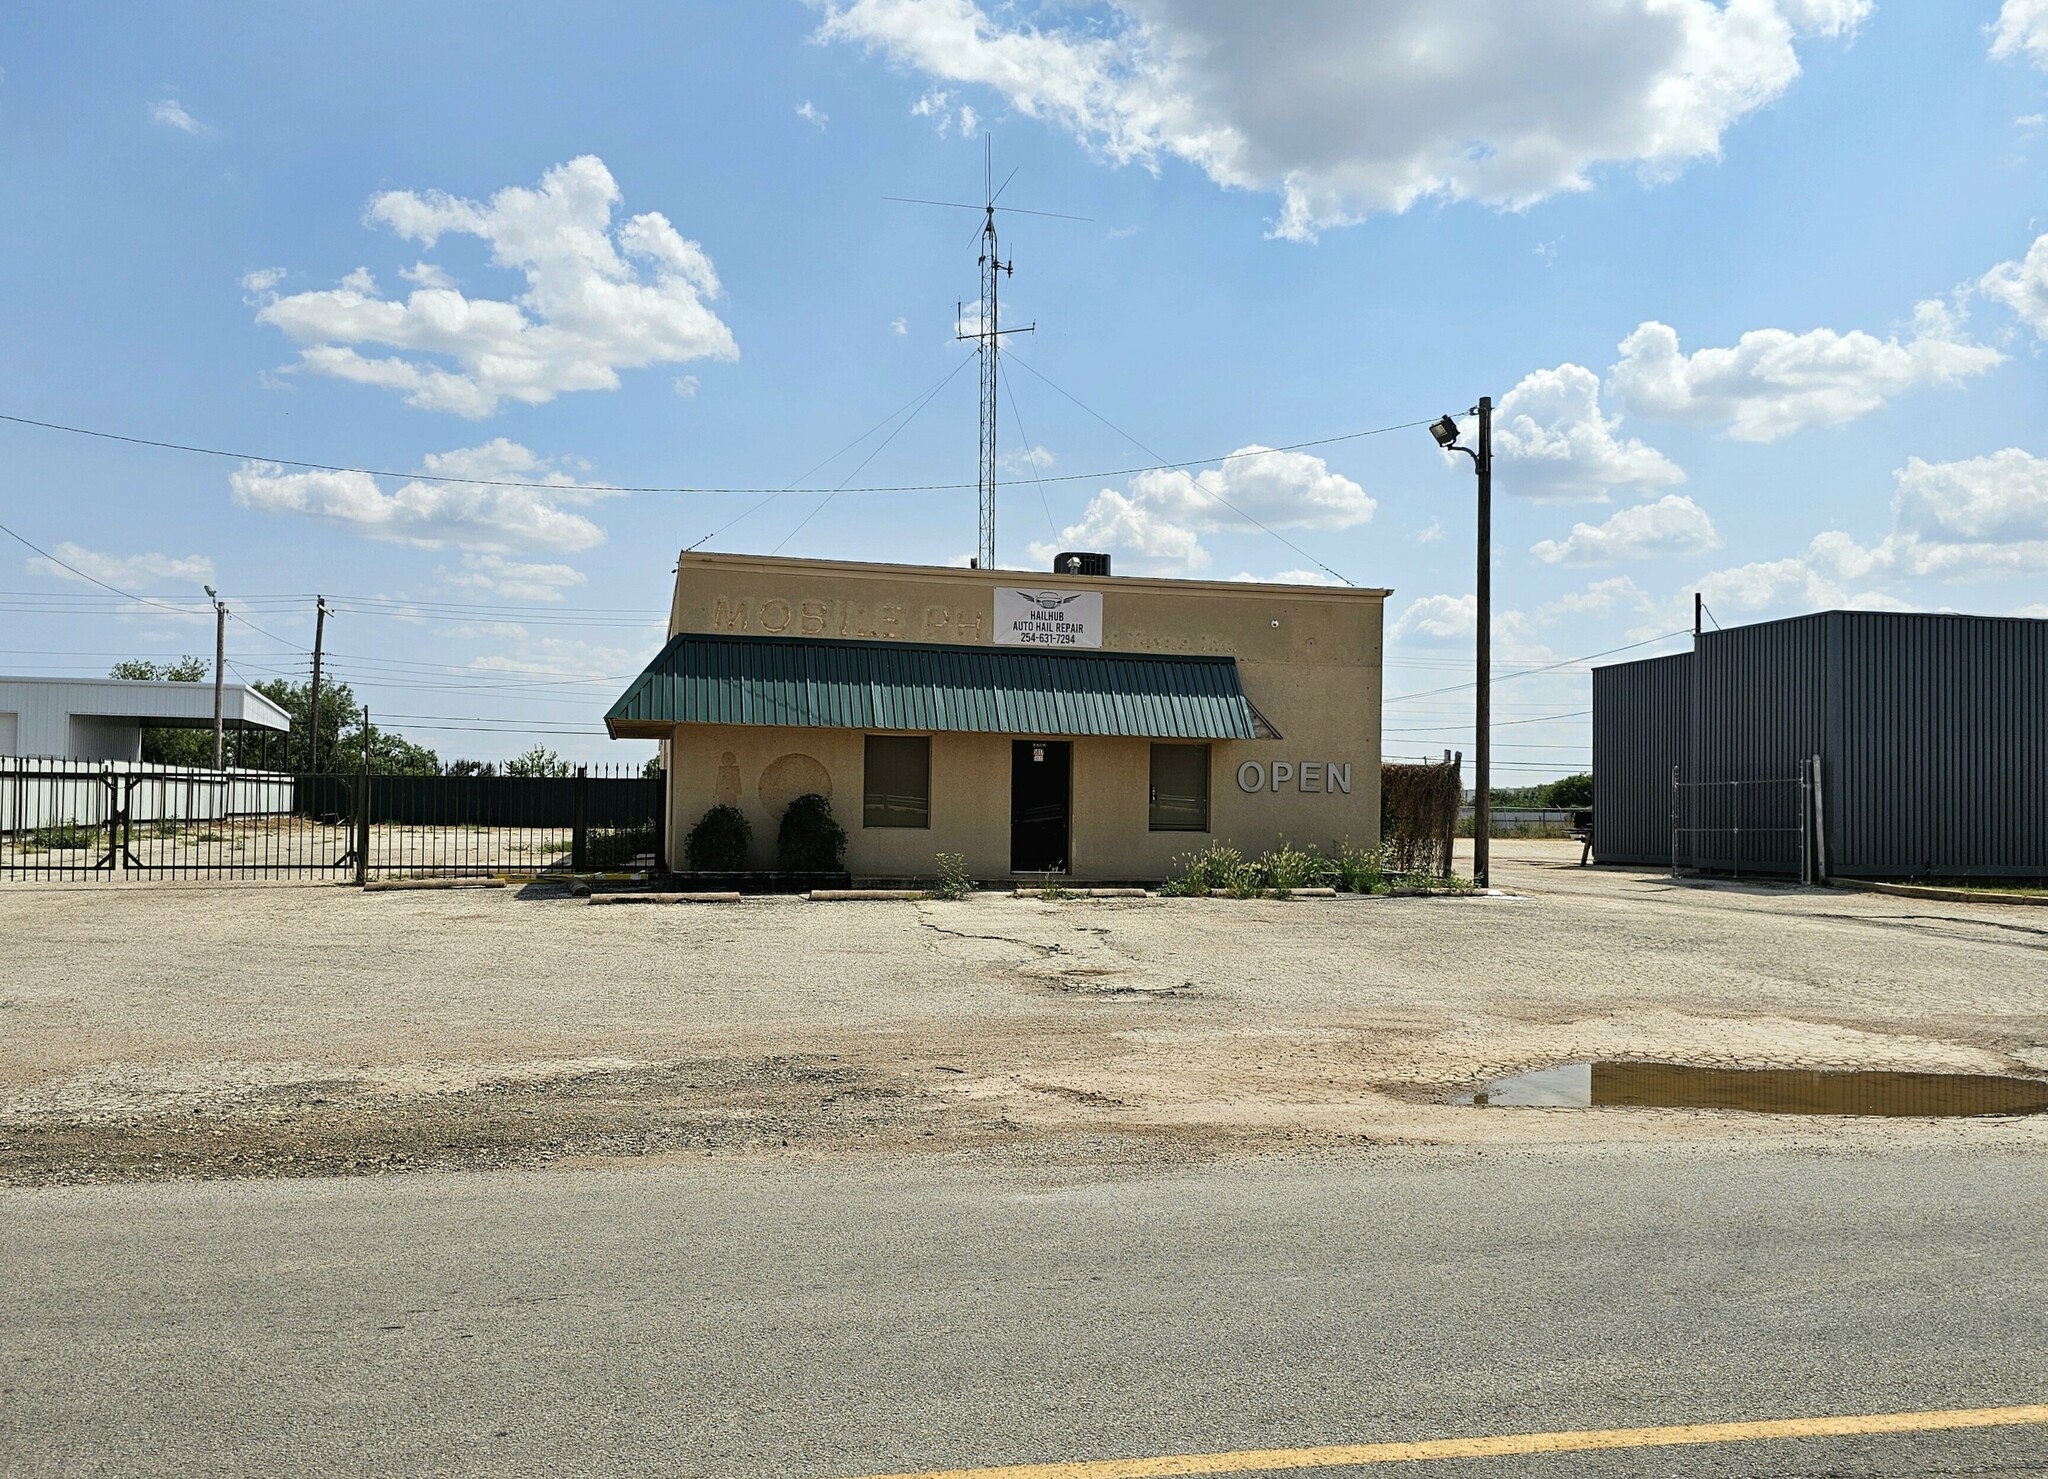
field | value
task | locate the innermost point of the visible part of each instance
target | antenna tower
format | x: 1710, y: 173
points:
x: 988, y: 333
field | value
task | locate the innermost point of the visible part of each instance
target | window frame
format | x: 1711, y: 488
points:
x: 867, y: 815
x: 1152, y: 821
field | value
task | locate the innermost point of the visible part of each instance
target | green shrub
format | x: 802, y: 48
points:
x: 1288, y: 866
x: 1217, y: 866
x: 48, y: 839
x: 1362, y: 870
x: 952, y: 881
x: 719, y: 841
x: 810, y: 839
x: 615, y: 849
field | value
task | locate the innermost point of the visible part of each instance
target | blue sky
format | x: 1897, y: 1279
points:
x: 1761, y: 289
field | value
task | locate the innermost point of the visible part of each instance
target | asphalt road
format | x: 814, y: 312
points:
x: 854, y: 1317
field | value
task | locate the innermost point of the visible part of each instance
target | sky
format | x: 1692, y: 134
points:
x: 1759, y: 290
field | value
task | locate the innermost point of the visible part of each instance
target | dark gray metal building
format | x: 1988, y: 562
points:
x: 1930, y: 732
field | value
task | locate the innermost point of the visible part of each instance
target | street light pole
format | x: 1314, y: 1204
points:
x: 1446, y: 432
x: 1482, y: 742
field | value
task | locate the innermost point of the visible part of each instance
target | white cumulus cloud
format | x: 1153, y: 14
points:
x: 2021, y: 30
x: 1343, y: 109
x: 129, y: 572
x: 432, y: 513
x: 1601, y: 599
x: 1437, y: 619
x: 1979, y: 518
x: 1673, y: 525
x: 512, y: 580
x: 1159, y: 519
x: 1561, y: 447
x: 2022, y: 286
x: 1772, y: 383
x: 599, y: 298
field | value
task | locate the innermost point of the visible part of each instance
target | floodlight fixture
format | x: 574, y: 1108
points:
x: 1445, y: 431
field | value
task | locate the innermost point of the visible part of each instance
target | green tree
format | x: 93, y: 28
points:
x: 341, y: 731
x: 1570, y: 791
x: 539, y: 761
x: 193, y: 747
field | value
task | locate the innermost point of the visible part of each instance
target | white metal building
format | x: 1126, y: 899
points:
x: 103, y: 718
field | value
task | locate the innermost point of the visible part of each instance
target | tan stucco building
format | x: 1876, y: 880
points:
x: 1095, y: 726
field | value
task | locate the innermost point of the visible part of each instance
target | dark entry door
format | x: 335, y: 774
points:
x: 1040, y: 775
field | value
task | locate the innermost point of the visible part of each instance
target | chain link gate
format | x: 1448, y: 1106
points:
x: 1762, y: 827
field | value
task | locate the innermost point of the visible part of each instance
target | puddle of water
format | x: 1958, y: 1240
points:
x: 1764, y: 1090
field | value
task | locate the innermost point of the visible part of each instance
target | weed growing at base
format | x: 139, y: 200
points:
x: 1221, y: 868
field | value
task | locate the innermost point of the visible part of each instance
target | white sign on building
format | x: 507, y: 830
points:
x: 1038, y: 618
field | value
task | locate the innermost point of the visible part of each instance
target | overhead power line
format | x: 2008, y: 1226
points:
x: 1401, y: 698
x: 1072, y: 477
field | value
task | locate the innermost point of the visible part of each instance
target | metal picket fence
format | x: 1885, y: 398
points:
x: 66, y: 819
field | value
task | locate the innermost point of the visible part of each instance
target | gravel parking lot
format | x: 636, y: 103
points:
x: 173, y: 1029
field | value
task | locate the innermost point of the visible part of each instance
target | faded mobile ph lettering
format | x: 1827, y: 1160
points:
x: 860, y: 619
x: 1315, y: 777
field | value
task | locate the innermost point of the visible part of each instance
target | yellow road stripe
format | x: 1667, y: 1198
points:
x: 1276, y: 1460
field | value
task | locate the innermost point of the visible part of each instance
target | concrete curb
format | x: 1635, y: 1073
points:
x: 852, y: 895
x: 1085, y: 893
x: 711, y: 898
x: 1948, y: 895
x: 411, y: 885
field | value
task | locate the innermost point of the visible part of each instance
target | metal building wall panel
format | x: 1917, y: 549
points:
x: 1943, y: 769
x: 1639, y: 729
x: 1932, y: 732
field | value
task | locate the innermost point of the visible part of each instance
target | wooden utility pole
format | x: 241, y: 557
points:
x: 220, y: 655
x: 313, y: 707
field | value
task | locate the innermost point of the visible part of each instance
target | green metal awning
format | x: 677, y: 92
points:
x: 933, y: 687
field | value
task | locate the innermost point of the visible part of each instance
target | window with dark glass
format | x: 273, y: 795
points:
x: 898, y: 781
x: 1180, y: 788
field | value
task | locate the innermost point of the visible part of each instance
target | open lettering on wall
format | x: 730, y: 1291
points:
x: 1311, y: 777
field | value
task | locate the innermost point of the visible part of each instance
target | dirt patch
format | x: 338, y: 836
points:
x: 337, y: 1127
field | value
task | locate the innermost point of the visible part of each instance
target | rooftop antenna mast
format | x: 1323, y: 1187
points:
x: 988, y: 333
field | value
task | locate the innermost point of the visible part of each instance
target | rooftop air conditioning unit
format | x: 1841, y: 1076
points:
x: 1079, y: 562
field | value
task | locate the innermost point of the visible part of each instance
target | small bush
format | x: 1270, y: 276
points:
x: 1288, y: 866
x: 606, y: 851
x: 952, y: 881
x: 810, y: 839
x: 1362, y: 870
x: 719, y: 841
x: 1217, y: 866
x: 49, y: 839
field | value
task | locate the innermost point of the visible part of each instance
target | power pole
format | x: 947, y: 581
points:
x: 220, y: 654
x: 313, y: 708
x: 1482, y: 743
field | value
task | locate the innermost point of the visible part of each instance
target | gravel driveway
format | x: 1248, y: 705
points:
x: 247, y: 1029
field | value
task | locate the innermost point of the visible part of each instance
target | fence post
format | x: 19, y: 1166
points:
x: 1674, y: 821
x: 579, y: 834
x: 363, y: 822
x: 1820, y: 826
x: 661, y: 824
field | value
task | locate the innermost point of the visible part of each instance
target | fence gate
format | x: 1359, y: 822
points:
x: 1758, y: 827
x: 66, y: 819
